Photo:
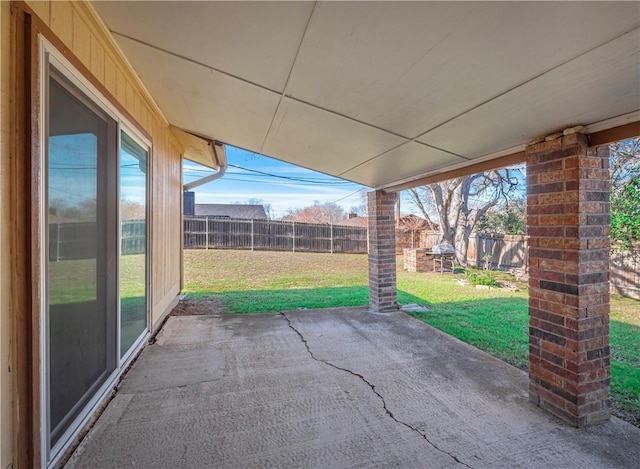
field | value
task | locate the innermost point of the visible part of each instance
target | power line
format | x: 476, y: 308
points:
x: 346, y: 196
x: 279, y: 183
x: 310, y: 179
x: 257, y: 173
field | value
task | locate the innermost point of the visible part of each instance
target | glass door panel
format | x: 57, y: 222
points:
x: 133, y: 245
x: 80, y: 318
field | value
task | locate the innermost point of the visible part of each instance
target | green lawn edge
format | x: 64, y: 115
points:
x: 493, y: 320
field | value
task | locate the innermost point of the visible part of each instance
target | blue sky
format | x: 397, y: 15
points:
x: 283, y: 194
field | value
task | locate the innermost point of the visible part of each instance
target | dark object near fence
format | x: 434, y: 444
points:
x: 269, y: 235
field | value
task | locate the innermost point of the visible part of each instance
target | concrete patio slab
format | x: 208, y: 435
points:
x: 333, y: 388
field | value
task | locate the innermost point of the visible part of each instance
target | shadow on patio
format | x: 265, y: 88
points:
x: 333, y: 388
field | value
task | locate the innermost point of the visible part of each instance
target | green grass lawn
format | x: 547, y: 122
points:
x: 493, y: 320
x: 74, y: 281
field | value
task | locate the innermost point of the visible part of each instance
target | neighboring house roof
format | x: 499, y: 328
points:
x: 355, y: 221
x: 414, y: 222
x: 406, y: 222
x: 231, y: 211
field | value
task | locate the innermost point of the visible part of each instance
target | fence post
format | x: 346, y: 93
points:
x: 293, y: 224
x: 331, y: 226
x: 252, y: 234
x: 58, y: 242
x: 206, y: 233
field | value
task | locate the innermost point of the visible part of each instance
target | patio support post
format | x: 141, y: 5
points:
x: 568, y: 227
x: 382, y: 251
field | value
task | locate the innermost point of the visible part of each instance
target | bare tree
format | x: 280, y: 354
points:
x: 459, y: 203
x: 358, y: 210
x: 328, y: 213
x: 624, y: 162
x: 132, y: 210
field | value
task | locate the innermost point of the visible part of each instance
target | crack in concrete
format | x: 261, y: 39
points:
x: 373, y: 389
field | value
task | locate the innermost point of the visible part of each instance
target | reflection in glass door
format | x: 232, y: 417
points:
x: 133, y: 246
x: 95, y: 304
x: 81, y: 313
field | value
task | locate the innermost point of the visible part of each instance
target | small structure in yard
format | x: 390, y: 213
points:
x: 428, y: 259
x: 415, y: 260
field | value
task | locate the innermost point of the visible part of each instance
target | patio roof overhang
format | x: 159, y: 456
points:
x: 386, y: 93
x: 199, y: 149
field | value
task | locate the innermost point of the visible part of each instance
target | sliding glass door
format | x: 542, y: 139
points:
x: 133, y: 247
x: 81, y: 309
x: 95, y: 306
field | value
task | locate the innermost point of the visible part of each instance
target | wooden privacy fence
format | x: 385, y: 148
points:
x: 625, y: 273
x: 506, y: 251
x: 510, y: 251
x: 270, y: 235
x: 134, y: 237
x: 502, y: 251
x: 77, y: 240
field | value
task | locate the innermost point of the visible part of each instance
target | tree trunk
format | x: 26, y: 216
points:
x: 462, y: 245
x: 461, y: 202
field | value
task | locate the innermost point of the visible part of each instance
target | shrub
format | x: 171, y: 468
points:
x: 483, y: 277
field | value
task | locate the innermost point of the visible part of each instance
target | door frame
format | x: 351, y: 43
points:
x: 48, y: 55
x: 26, y: 207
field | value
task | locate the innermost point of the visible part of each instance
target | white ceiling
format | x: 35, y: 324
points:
x: 382, y: 92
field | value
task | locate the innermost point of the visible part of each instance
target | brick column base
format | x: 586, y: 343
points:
x: 568, y: 225
x: 383, y: 296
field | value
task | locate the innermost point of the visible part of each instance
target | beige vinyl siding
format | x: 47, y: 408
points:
x: 79, y: 27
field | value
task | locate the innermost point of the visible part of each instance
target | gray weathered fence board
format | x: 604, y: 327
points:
x: 221, y: 233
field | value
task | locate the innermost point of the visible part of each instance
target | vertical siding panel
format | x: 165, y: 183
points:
x: 162, y: 231
x: 137, y: 106
x: 62, y: 22
x: 81, y: 40
x: 166, y: 241
x: 97, y: 59
x: 176, y: 214
x: 129, y: 100
x: 42, y: 9
x: 121, y: 86
x: 162, y: 237
x: 110, y: 75
x: 159, y: 254
x: 144, y: 117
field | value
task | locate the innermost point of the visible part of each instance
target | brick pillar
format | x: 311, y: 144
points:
x: 568, y: 223
x: 382, y: 251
